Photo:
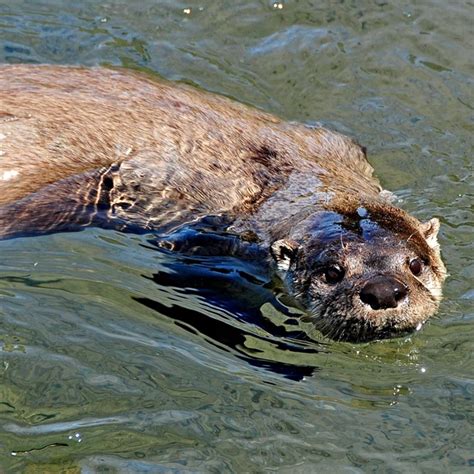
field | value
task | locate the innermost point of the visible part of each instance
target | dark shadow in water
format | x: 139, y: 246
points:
x: 236, y: 287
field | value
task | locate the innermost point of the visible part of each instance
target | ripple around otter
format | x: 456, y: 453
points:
x: 116, y: 356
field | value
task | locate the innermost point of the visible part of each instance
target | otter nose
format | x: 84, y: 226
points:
x: 383, y: 292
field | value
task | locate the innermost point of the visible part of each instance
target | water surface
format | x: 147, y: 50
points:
x: 109, y: 364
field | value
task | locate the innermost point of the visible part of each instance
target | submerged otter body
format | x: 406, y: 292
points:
x: 81, y: 147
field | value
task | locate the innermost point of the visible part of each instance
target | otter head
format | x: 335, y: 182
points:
x: 363, y: 273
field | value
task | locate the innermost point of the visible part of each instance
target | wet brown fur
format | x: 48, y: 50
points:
x: 81, y: 144
x: 60, y: 121
x: 395, y: 220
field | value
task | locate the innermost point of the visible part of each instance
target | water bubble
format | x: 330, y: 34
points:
x: 75, y: 437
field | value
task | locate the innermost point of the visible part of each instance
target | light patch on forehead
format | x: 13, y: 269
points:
x: 8, y: 175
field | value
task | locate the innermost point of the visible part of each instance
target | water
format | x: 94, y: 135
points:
x: 109, y: 365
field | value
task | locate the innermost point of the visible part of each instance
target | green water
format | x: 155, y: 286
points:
x: 94, y: 379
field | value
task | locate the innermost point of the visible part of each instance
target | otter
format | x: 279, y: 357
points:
x: 118, y: 149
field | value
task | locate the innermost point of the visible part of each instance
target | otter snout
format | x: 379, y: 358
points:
x: 382, y: 292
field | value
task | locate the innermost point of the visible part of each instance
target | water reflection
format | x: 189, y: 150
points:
x: 240, y: 293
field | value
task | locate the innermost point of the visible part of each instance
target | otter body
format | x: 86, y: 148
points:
x: 82, y: 147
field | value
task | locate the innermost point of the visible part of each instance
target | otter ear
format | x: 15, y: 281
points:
x: 430, y: 230
x: 284, y: 252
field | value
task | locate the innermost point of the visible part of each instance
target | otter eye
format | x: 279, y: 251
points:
x: 334, y: 274
x: 416, y: 265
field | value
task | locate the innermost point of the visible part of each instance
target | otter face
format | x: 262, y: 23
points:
x: 363, y: 281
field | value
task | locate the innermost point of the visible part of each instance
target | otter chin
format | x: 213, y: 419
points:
x: 102, y: 147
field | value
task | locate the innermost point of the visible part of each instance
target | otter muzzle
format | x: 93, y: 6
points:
x: 383, y: 292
